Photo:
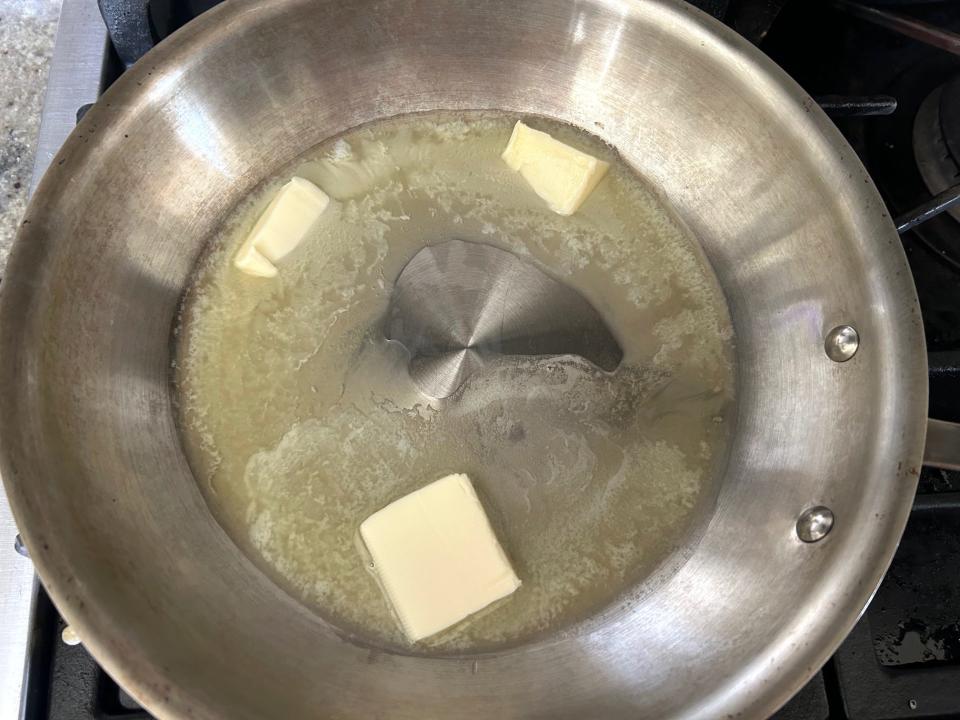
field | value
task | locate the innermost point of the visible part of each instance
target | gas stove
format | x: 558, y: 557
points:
x: 888, y: 73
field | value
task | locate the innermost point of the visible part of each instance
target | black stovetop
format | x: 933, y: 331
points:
x: 902, y: 659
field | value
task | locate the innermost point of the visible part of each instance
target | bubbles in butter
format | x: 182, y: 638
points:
x: 300, y: 422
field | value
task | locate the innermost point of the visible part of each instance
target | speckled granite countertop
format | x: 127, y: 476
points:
x: 27, y: 29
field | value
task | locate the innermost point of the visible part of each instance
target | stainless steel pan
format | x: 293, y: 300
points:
x: 790, y: 221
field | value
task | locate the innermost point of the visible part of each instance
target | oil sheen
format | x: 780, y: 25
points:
x: 300, y: 421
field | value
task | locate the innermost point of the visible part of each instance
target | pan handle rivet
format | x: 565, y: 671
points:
x: 69, y: 636
x: 842, y: 343
x: 814, y: 523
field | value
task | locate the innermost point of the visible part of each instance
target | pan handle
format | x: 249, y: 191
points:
x: 943, y: 445
x: 943, y: 438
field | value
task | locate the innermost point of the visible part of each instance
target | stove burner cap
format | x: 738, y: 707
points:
x: 936, y: 139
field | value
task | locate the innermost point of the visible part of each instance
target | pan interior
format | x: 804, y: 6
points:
x: 300, y: 419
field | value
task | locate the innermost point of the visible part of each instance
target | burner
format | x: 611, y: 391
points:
x: 936, y: 140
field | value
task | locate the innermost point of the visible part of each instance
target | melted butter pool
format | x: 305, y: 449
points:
x: 299, y: 419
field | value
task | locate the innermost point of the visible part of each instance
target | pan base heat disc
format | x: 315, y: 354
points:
x: 300, y: 418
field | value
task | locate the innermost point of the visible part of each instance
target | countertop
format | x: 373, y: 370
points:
x: 27, y: 29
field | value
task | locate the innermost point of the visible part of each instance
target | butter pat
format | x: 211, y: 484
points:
x: 283, y: 225
x: 437, y: 557
x: 558, y: 173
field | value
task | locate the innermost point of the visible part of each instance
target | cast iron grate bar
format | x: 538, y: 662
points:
x: 939, y: 203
